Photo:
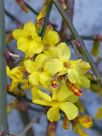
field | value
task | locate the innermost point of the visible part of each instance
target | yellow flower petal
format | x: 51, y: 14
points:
x: 14, y: 73
x: 19, y: 33
x: 8, y: 70
x: 39, y: 61
x: 60, y: 51
x: 63, y: 51
x: 45, y: 79
x: 53, y: 114
x: 74, y: 76
x: 29, y: 27
x: 72, y: 98
x: 34, y: 48
x: 13, y: 85
x: 29, y: 65
x: 41, y: 102
x: 51, y: 38
x: 22, y: 44
x: 62, y: 94
x: 34, y: 78
x: 40, y: 97
x: 53, y: 66
x: 25, y: 84
x: 70, y: 110
x: 83, y: 67
x: 85, y: 82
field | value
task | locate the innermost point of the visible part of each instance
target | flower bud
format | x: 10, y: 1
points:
x: 66, y: 123
x: 86, y: 121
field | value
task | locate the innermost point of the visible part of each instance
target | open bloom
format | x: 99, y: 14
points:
x: 59, y: 63
x: 15, y: 75
x: 28, y: 41
x: 62, y: 99
x: 35, y: 69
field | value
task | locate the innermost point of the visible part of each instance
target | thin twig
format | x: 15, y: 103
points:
x: 33, y: 10
x: 92, y: 37
x: 12, y: 17
x: 46, y: 20
x: 23, y: 98
x: 31, y: 123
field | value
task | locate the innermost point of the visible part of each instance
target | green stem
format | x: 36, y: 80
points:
x: 3, y: 80
x: 46, y: 20
x: 33, y: 10
x: 74, y: 48
x: 24, y: 98
x: 78, y: 38
x: 92, y: 37
x: 12, y: 17
x: 87, y: 37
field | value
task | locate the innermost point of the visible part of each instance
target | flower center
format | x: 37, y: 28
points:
x: 67, y: 64
x: 30, y: 37
x: 55, y: 103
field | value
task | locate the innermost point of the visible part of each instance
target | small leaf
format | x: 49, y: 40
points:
x: 99, y: 113
x: 96, y: 48
x: 23, y: 6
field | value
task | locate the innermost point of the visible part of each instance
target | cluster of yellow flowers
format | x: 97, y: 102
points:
x: 55, y: 81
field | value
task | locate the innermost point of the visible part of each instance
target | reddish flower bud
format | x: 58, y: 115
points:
x: 86, y: 121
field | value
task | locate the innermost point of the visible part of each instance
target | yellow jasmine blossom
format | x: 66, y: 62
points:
x: 62, y: 99
x: 59, y: 63
x: 57, y: 56
x: 37, y: 74
x: 15, y: 75
x: 28, y: 41
x: 51, y: 38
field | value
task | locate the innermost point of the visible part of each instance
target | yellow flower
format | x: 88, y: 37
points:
x: 57, y: 56
x: 37, y: 74
x: 28, y: 40
x: 15, y: 75
x: 59, y: 63
x: 51, y: 38
x: 62, y: 99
